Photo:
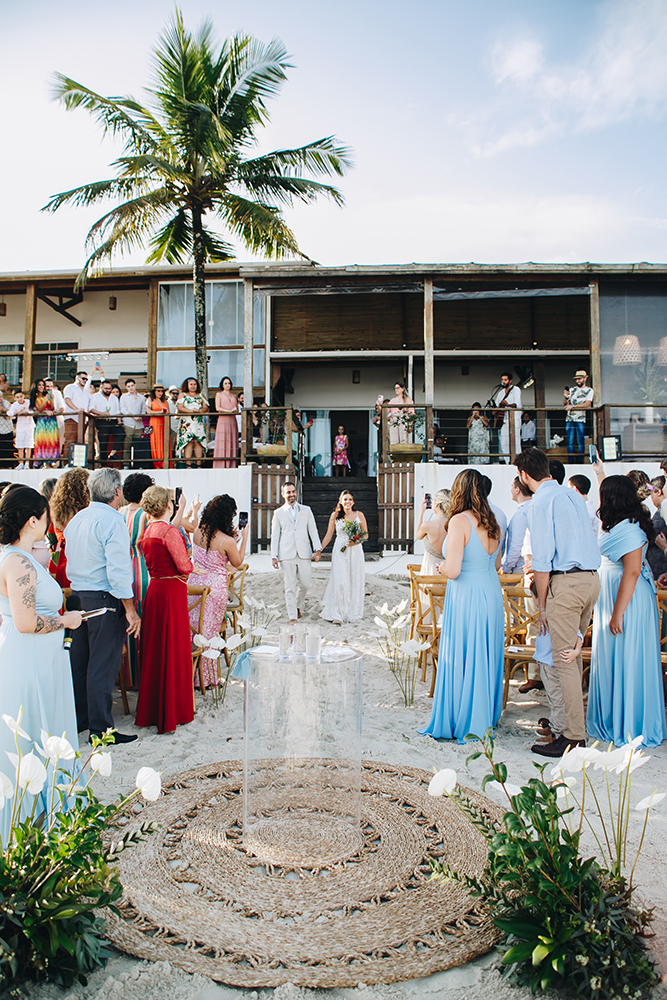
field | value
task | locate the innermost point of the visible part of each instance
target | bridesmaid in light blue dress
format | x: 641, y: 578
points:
x: 34, y: 667
x: 626, y: 697
x: 468, y: 694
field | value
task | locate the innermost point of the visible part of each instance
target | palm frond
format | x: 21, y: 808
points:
x: 89, y: 194
x: 150, y: 167
x: 173, y: 242
x: 249, y: 72
x: 324, y: 157
x: 136, y: 217
x: 216, y: 248
x: 114, y: 114
x: 259, y: 226
x: 288, y: 189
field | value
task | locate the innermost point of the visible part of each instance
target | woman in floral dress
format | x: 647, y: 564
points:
x: 47, y: 438
x: 340, y: 460
x: 192, y: 432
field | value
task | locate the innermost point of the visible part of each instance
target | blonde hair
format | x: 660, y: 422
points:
x: 155, y: 500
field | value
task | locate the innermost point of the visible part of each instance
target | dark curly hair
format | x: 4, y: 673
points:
x: 339, y: 512
x: 17, y: 506
x: 135, y: 485
x: 619, y: 502
x: 190, y: 378
x: 218, y: 515
x: 70, y: 495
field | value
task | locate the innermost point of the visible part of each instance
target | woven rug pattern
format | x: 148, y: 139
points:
x: 369, y: 913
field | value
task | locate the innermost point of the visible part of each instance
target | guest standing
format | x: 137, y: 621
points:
x: 47, y: 438
x: 341, y: 462
x: 656, y: 556
x: 479, y: 444
x: 528, y: 431
x: 174, y: 420
x: 576, y: 401
x: 225, y: 449
x: 133, y: 407
x: 294, y: 544
x: 192, y: 433
x: 157, y: 403
x: 100, y: 568
x: 565, y: 559
x: 626, y: 697
x: 70, y: 495
x: 398, y: 427
x: 34, y: 666
x: 468, y: 694
x: 508, y: 399
x: 344, y: 597
x: 25, y: 428
x: 165, y: 690
x: 434, y: 531
x: 105, y: 407
x: 214, y: 547
x: 6, y: 434
x: 513, y: 560
x: 136, y: 519
x: 77, y: 400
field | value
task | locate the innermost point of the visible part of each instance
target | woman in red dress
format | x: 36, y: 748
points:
x: 165, y: 689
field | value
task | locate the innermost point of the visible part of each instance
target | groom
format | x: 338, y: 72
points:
x: 294, y: 543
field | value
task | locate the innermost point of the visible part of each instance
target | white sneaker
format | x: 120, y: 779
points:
x: 19, y: 466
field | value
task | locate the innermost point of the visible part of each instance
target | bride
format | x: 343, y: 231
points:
x: 344, y: 596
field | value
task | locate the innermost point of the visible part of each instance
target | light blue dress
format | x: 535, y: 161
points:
x: 626, y: 697
x: 468, y: 696
x: 34, y: 673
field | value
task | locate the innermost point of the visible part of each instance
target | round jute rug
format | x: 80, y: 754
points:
x: 193, y: 895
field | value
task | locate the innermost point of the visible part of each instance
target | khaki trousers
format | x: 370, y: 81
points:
x: 570, y: 601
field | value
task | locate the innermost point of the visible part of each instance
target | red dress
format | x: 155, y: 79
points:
x: 165, y: 689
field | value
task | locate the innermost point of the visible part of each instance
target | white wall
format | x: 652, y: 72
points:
x: 431, y: 477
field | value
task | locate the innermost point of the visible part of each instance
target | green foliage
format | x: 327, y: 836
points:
x: 567, y: 922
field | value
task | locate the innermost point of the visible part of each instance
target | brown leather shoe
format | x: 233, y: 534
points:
x: 557, y: 747
x: 531, y: 685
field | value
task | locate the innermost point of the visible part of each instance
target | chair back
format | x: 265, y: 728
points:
x: 510, y: 579
x: 436, y: 600
x: 422, y: 603
x: 413, y: 570
x: 200, y: 594
x: 235, y: 586
x: 519, y: 620
x: 662, y: 618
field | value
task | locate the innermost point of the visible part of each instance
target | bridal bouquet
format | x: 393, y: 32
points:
x: 354, y: 532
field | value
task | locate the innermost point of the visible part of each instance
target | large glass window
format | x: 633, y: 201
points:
x: 633, y: 343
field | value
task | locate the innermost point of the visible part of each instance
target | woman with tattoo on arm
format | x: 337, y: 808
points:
x: 35, y: 672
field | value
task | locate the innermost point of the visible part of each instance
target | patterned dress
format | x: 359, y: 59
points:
x: 47, y: 438
x: 214, y: 575
x: 192, y: 428
x: 340, y: 451
x: 137, y: 522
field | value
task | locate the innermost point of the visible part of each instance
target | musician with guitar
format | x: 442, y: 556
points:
x: 508, y: 398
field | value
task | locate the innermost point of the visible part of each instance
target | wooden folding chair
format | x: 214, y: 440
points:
x: 235, y: 586
x: 519, y: 651
x: 423, y: 628
x: 413, y: 570
x: 510, y: 579
x: 201, y: 594
x: 436, y: 600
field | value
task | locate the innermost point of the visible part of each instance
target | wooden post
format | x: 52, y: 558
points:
x: 596, y: 362
x: 386, y: 457
x: 429, y: 434
x: 166, y: 438
x: 151, y: 366
x: 538, y: 375
x: 288, y: 436
x: 248, y: 301
x: 245, y: 416
x: 429, y: 381
x: 91, y: 441
x: 29, y: 340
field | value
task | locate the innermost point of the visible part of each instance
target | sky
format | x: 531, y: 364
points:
x: 480, y: 131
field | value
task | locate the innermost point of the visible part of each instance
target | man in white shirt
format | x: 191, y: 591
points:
x: 104, y: 406
x: 294, y: 544
x: 576, y: 401
x: 175, y: 421
x: 77, y: 399
x: 58, y: 407
x: 508, y: 398
x: 132, y: 406
x: 516, y: 530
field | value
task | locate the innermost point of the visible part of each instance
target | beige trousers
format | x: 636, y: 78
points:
x: 570, y: 601
x: 296, y: 577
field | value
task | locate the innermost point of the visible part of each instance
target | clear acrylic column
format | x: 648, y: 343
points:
x: 302, y: 756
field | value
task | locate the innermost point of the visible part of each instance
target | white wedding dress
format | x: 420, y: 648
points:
x: 344, y: 596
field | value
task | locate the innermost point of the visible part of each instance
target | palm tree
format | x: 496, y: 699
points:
x: 185, y: 156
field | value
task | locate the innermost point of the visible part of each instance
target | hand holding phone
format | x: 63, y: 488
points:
x: 243, y: 519
x: 428, y: 501
x: 593, y: 454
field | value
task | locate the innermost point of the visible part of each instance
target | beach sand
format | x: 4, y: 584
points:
x: 389, y: 734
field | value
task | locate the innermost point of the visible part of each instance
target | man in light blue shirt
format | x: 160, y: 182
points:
x: 100, y: 569
x: 565, y: 561
x: 516, y: 529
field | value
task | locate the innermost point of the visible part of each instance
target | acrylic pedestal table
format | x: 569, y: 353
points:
x: 302, y: 863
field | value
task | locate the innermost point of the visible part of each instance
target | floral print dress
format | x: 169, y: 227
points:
x: 192, y: 428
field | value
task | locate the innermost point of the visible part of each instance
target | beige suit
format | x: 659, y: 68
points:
x: 294, y: 538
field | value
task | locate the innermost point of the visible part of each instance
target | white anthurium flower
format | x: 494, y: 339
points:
x: 15, y: 724
x: 55, y: 746
x: 30, y: 772
x: 260, y: 631
x: 611, y: 760
x: 384, y: 610
x: 6, y: 789
x: 637, y: 742
x: 100, y: 763
x: 572, y: 760
x: 509, y: 787
x: 234, y: 641
x: 211, y: 654
x: 650, y: 801
x: 251, y: 601
x: 380, y: 624
x: 442, y: 781
x: 400, y: 621
x: 242, y: 621
x: 570, y: 782
x: 200, y: 641
x: 402, y: 606
x: 637, y: 759
x: 149, y: 783
x: 217, y: 642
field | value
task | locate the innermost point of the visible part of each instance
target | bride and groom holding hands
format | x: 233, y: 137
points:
x: 295, y: 545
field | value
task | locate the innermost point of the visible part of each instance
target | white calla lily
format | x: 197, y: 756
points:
x: 55, y: 747
x: 402, y: 606
x: 149, y: 783
x: 15, y: 724
x: 234, y: 641
x: 442, y: 781
x: 30, y: 772
x: 100, y: 763
x: 614, y: 760
x: 568, y: 781
x: 6, y: 789
x: 649, y: 801
x: 384, y: 610
x: 200, y: 641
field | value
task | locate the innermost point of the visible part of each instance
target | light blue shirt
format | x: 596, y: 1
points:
x: 97, y: 546
x: 501, y: 518
x: 560, y: 530
x: 516, y: 533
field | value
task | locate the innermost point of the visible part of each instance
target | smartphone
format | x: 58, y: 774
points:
x: 243, y: 518
x: 427, y: 500
x: 593, y: 454
x: 177, y: 494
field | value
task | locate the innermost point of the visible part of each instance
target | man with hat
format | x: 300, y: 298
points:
x: 576, y: 401
x: 175, y: 421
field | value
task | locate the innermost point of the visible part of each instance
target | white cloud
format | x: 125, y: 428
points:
x: 519, y: 61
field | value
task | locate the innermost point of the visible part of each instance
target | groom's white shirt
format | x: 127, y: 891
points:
x: 294, y: 533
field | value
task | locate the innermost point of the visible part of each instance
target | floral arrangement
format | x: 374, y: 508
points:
x: 567, y: 922
x: 253, y: 625
x: 56, y: 870
x: 354, y: 532
x: 400, y: 651
x: 412, y: 421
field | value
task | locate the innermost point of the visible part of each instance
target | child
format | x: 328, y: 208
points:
x: 553, y: 727
x: 582, y: 485
x: 340, y: 459
x: 25, y: 429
